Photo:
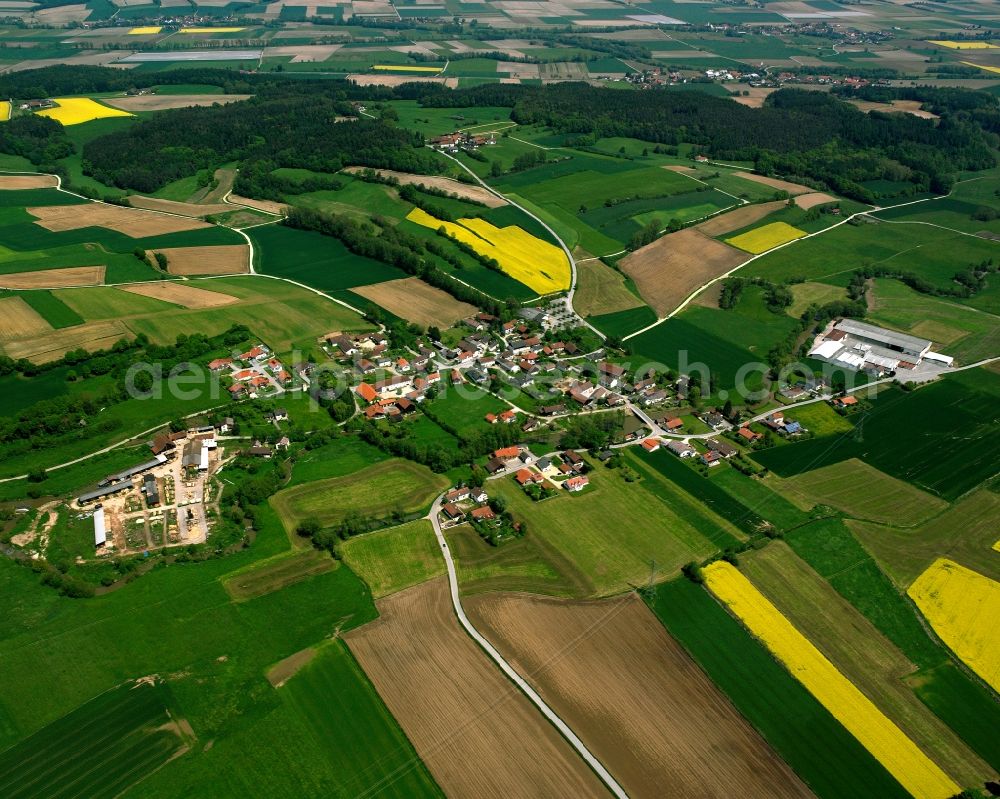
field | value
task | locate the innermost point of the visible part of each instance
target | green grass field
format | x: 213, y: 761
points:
x: 859, y: 651
x: 394, y: 559
x: 213, y: 653
x: 965, y: 532
x: 724, y: 341
x: 340, y: 457
x: 466, y: 412
x: 316, y: 260
x: 394, y: 485
x: 960, y: 329
x: 622, y: 323
x: 526, y: 564
x: 863, y: 492
x: 717, y: 515
x: 827, y: 757
x: 819, y: 418
x: 934, y: 254
x: 277, y: 573
x: 51, y: 309
x: 101, y: 749
x: 612, y: 532
x: 759, y: 497
x: 919, y: 419
x: 283, y: 315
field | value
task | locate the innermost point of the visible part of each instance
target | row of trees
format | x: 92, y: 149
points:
x: 386, y: 243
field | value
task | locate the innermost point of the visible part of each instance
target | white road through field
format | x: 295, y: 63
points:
x: 507, y: 669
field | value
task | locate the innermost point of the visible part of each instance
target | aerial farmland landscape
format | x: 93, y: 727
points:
x: 509, y: 398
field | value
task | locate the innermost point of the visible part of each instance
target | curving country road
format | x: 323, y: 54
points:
x: 507, y: 669
x: 562, y: 244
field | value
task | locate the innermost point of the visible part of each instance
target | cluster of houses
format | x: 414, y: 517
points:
x: 253, y: 373
x: 467, y: 502
x: 462, y: 140
x: 715, y: 452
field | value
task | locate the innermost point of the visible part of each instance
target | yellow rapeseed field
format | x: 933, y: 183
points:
x: 963, y: 45
x: 887, y: 743
x: 405, y: 68
x: 767, y: 237
x: 211, y: 30
x: 541, y: 266
x: 982, y: 66
x: 963, y: 607
x: 5, y: 110
x: 145, y: 30
x: 75, y: 110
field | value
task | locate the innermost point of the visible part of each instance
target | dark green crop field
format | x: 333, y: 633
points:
x: 913, y: 436
x: 101, y: 749
x: 827, y: 757
x: 315, y: 260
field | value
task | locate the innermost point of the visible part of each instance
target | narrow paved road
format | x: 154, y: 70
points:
x: 562, y: 244
x: 507, y: 669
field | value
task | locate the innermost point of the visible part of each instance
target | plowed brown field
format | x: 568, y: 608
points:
x: 54, y: 278
x: 669, y: 269
x: 415, y: 301
x: 132, y: 222
x: 478, y: 735
x: 634, y: 696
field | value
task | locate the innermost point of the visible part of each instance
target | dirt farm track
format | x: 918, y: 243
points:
x: 478, y: 735
x: 634, y: 696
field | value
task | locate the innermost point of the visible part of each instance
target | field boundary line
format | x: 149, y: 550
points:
x: 687, y: 301
x: 603, y: 774
x: 562, y: 244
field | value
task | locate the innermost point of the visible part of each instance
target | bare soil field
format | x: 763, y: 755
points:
x: 896, y: 106
x: 755, y: 95
x: 415, y: 301
x: 634, y: 696
x: 8, y: 182
x: 738, y: 218
x: 54, y: 278
x: 267, y: 206
x: 304, y: 52
x: 669, y: 269
x: 181, y: 294
x: 684, y: 170
x: 173, y: 207
x: 814, y: 198
x: 53, y: 345
x: 219, y: 259
x: 132, y: 222
x: 476, y: 193
x: 477, y: 733
x: 18, y: 320
x: 600, y: 290
x: 774, y: 183
x: 224, y: 178
x: 164, y: 102
x: 282, y: 671
x: 399, y: 80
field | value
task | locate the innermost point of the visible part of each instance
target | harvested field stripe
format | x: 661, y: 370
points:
x: 963, y: 607
x: 181, y: 294
x: 9, y: 182
x: 54, y: 278
x: 404, y: 68
x: 908, y: 764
